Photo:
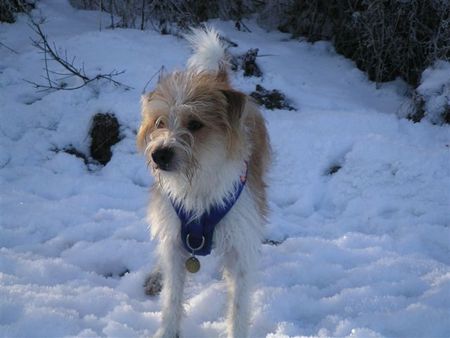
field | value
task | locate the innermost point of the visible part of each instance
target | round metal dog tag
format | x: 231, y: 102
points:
x: 192, y: 264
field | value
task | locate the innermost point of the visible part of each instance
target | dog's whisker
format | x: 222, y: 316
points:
x: 149, y: 163
x: 160, y: 181
x: 147, y: 150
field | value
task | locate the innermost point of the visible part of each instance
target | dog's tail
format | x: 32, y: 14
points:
x: 209, y: 51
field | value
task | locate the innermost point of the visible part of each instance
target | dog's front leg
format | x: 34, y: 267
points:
x: 172, y: 259
x: 239, y: 273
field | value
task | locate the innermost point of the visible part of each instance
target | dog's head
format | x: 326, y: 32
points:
x: 192, y: 120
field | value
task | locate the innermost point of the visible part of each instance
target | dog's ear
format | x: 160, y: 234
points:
x: 236, y: 103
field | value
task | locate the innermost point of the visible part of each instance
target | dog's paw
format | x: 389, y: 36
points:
x: 153, y: 284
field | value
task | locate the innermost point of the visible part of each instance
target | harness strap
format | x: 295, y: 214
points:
x: 197, y: 233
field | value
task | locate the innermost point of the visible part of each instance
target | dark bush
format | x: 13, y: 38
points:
x: 271, y: 99
x: 168, y: 16
x: 247, y: 62
x: 431, y: 99
x: 394, y: 38
x: 386, y: 38
x: 162, y: 15
x: 8, y: 8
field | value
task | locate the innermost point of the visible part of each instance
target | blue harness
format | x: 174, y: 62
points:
x: 197, y: 233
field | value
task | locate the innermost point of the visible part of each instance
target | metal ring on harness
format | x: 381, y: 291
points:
x: 197, y: 248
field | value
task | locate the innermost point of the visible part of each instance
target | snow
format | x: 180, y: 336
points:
x: 434, y: 90
x: 363, y: 252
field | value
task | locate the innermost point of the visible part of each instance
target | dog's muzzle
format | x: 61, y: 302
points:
x: 163, y: 158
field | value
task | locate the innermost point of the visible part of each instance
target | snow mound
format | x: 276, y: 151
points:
x: 434, y: 92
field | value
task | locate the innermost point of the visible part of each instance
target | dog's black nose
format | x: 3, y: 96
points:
x: 163, y: 158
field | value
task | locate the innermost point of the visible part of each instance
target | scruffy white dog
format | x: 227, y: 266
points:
x: 208, y: 149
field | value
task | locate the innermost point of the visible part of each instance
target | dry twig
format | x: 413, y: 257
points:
x: 57, y: 80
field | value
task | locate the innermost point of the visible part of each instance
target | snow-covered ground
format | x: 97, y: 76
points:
x: 365, y: 251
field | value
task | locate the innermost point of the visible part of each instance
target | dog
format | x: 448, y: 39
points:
x: 208, y: 149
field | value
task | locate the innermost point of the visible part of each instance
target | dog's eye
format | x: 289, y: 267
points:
x: 160, y: 124
x: 194, y: 125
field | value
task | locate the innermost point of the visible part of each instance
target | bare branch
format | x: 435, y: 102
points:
x: 8, y: 48
x: 55, y: 79
x: 159, y: 72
